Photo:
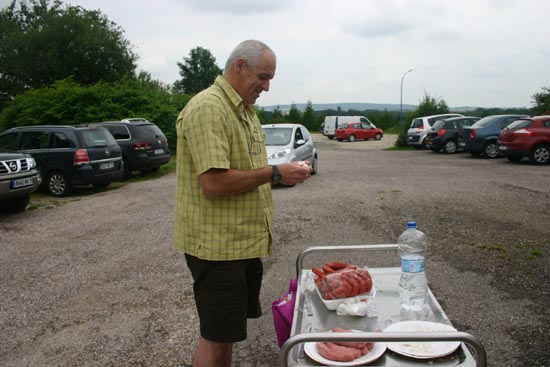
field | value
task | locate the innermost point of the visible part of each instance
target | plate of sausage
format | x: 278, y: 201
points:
x: 338, y: 282
x: 344, y: 353
x: 422, y: 350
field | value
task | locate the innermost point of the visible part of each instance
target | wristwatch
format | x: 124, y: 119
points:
x: 276, y: 176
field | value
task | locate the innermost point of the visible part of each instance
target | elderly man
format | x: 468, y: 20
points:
x: 224, y: 208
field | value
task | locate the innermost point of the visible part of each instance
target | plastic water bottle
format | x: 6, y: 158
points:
x: 413, y: 288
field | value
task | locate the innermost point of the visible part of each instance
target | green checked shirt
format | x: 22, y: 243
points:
x: 215, y: 130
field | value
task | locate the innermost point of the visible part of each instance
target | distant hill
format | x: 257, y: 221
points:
x: 344, y: 106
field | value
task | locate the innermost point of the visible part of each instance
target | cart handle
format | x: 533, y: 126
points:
x: 346, y: 248
x: 480, y: 354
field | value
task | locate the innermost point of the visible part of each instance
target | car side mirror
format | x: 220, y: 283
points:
x: 300, y: 142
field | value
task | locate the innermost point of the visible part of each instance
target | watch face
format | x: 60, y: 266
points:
x: 276, y: 177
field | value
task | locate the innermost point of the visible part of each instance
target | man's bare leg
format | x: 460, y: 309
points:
x: 213, y: 354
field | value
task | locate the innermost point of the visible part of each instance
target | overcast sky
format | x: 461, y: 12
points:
x: 486, y: 53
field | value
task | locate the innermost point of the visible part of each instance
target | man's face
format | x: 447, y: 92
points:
x: 254, y: 80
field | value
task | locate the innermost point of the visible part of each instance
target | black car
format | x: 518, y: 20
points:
x: 444, y: 134
x: 68, y: 156
x: 144, y: 145
x: 19, y: 177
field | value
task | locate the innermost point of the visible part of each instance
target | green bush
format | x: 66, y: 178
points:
x: 68, y: 103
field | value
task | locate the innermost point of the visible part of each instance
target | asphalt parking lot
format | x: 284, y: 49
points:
x: 97, y: 282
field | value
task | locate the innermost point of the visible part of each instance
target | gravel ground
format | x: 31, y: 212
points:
x: 97, y: 282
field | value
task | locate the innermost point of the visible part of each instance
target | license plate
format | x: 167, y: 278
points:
x: 107, y: 165
x: 159, y: 151
x: 410, y: 138
x: 22, y: 182
x: 430, y: 142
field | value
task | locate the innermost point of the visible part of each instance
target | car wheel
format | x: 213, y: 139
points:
x: 57, y: 184
x: 540, y: 154
x: 450, y: 147
x: 490, y: 149
x: 378, y: 137
x: 351, y: 138
x: 314, y: 165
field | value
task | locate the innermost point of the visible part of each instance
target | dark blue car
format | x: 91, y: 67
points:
x: 481, y: 138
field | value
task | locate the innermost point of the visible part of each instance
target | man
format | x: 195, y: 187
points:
x: 224, y: 208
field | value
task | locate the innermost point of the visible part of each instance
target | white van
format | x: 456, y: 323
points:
x: 332, y: 122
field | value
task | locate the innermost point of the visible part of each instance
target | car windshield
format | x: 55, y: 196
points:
x: 277, y: 135
x: 416, y: 123
x: 97, y: 138
x: 438, y: 125
x: 519, y: 124
x: 484, y: 121
x: 149, y: 131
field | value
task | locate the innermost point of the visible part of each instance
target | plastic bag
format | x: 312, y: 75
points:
x: 282, y: 310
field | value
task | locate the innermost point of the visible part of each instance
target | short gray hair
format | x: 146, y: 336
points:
x: 250, y: 51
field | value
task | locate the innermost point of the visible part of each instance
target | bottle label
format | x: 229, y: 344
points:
x: 415, y: 265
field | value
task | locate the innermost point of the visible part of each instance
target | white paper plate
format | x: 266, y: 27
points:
x: 311, y: 350
x: 423, y: 350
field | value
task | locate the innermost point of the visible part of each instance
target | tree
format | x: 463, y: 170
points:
x: 309, y: 117
x: 431, y: 106
x: 198, y: 71
x: 40, y: 44
x: 541, y: 102
x: 294, y: 115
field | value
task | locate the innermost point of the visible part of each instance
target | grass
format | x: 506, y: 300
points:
x: 532, y: 250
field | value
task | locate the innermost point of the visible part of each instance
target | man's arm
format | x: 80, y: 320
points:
x: 220, y: 182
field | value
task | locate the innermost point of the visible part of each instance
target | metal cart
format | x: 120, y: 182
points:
x: 312, y: 319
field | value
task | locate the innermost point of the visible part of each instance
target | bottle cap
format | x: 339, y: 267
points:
x: 411, y: 224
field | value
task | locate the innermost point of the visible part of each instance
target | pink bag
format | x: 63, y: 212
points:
x: 283, y: 313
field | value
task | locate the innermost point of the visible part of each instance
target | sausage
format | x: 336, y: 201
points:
x: 337, y: 265
x: 336, y: 352
x: 357, y: 345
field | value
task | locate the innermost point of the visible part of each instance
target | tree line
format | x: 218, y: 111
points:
x: 64, y: 64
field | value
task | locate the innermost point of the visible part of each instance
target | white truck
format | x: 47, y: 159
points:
x: 332, y: 122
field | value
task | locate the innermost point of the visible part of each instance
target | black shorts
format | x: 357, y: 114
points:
x: 226, y: 294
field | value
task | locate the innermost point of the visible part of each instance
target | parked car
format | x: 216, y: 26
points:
x: 481, y: 138
x: 289, y: 142
x: 68, y: 156
x: 358, y: 131
x: 529, y: 137
x: 444, y: 133
x: 331, y: 123
x: 144, y: 145
x: 19, y: 178
x: 416, y: 135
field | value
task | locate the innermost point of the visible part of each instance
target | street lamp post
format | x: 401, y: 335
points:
x: 401, y: 113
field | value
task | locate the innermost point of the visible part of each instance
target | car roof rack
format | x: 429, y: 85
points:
x: 135, y: 119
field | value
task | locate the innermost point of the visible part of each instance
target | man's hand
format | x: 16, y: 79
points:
x: 295, y: 172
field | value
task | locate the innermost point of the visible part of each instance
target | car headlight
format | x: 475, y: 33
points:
x: 280, y: 154
x: 31, y: 162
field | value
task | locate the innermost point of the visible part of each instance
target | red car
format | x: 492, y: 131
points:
x: 358, y: 130
x: 527, y: 137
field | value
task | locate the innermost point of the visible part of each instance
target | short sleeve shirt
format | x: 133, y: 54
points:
x: 216, y: 131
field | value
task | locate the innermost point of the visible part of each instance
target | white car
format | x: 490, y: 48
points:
x: 416, y: 135
x: 289, y: 142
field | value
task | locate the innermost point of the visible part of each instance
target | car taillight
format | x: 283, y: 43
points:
x: 141, y: 146
x: 523, y: 132
x: 441, y: 132
x: 473, y: 134
x: 81, y: 157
